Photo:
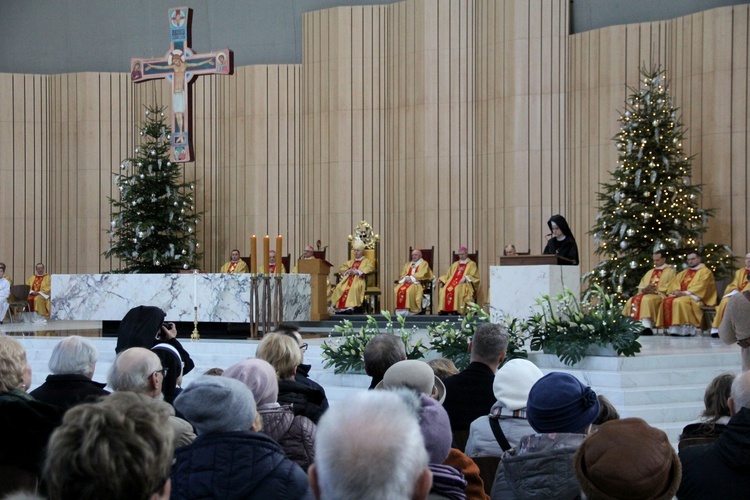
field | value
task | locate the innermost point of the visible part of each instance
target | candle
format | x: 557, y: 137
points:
x: 253, y: 254
x: 195, y: 289
x: 278, y: 254
x: 266, y: 253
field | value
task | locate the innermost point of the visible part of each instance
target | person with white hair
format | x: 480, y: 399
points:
x: 719, y: 470
x: 72, y: 366
x: 140, y: 370
x: 350, y: 291
x: 370, y: 448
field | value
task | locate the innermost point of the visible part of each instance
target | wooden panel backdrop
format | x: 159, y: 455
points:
x: 442, y: 122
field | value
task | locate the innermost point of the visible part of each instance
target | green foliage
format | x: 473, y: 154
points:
x: 651, y: 203
x: 346, y: 352
x: 571, y: 327
x: 451, y: 340
x: 154, y: 223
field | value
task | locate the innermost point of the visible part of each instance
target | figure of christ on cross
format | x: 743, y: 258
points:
x: 180, y: 65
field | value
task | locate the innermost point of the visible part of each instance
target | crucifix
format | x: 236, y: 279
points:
x: 180, y: 65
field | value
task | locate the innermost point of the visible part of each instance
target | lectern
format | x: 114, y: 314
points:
x: 318, y: 270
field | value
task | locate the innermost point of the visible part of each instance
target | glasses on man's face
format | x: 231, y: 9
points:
x: 303, y: 347
x: 163, y: 372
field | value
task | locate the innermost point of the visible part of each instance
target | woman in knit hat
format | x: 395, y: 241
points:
x: 229, y: 459
x: 295, y: 434
x: 561, y: 409
x: 506, y: 424
x: 628, y: 459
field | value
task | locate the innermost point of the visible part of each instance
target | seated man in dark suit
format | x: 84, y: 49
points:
x: 469, y: 394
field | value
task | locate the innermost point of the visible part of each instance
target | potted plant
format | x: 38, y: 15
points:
x: 572, y: 329
x: 345, y: 351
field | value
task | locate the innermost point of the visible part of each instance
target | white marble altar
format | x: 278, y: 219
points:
x: 221, y: 298
x: 514, y: 289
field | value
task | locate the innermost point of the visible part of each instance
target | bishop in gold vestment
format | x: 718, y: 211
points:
x: 350, y: 290
x: 459, y: 284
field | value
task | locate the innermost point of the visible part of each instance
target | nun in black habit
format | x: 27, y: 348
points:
x: 562, y: 242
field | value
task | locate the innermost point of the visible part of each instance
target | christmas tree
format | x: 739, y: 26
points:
x: 153, y: 227
x: 652, y: 203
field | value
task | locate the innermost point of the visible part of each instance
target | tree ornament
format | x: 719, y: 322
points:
x: 623, y: 245
x: 184, y: 266
x: 184, y: 252
x: 113, y: 223
x: 157, y: 263
x: 142, y: 176
x: 630, y: 232
x: 633, y: 264
x: 147, y: 112
x: 602, y: 273
x: 677, y: 221
x: 136, y: 150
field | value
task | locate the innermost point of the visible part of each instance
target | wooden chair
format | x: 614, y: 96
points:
x: 427, y: 285
x: 286, y: 261
x: 18, y: 300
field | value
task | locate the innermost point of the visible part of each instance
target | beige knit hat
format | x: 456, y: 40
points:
x: 628, y: 459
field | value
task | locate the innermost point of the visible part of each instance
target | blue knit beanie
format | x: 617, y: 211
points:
x: 559, y: 402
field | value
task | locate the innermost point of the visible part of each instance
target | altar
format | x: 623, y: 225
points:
x: 220, y: 298
x: 514, y: 289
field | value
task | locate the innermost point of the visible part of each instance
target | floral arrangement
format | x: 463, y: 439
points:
x: 346, y: 352
x: 569, y: 329
x: 452, y: 339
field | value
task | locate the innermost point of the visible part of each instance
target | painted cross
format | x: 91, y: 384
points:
x: 180, y: 65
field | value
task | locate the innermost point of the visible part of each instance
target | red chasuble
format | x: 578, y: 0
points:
x: 342, y: 300
x: 636, y: 304
x: 667, y: 305
x: 401, y: 295
x: 451, y: 287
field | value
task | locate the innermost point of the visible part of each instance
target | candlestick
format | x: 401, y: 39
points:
x: 266, y: 253
x: 279, y: 261
x: 254, y: 254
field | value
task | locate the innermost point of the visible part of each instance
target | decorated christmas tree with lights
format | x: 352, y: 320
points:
x: 652, y: 204
x: 153, y: 227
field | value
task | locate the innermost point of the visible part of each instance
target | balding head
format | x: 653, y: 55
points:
x: 740, y: 397
x: 136, y: 370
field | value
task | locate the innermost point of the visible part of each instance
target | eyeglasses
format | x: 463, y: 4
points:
x: 163, y: 372
x: 303, y: 347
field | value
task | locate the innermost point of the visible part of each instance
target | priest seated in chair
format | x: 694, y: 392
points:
x: 459, y: 284
x: 349, y: 293
x: 409, y: 289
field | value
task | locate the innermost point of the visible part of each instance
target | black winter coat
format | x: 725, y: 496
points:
x: 236, y: 465
x: 65, y: 391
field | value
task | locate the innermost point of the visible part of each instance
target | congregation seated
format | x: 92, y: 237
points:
x: 272, y: 264
x: 501, y: 430
x: 295, y: 433
x: 409, y: 290
x: 442, y: 367
x: 115, y: 449
x: 627, y: 459
x: 713, y: 421
x: 459, y: 285
x: 284, y: 354
x: 681, y: 312
x: 381, y: 352
x: 645, y: 305
x: 25, y: 423
x: 72, y: 366
x: 738, y: 285
x: 561, y: 410
x: 719, y: 470
x: 230, y: 458
x: 235, y: 264
x: 41, y: 285
x: 349, y: 293
x: 562, y: 242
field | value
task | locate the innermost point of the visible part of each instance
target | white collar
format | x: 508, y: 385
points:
x: 661, y: 266
x: 560, y: 238
x: 463, y: 261
x: 416, y: 264
x: 696, y: 267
